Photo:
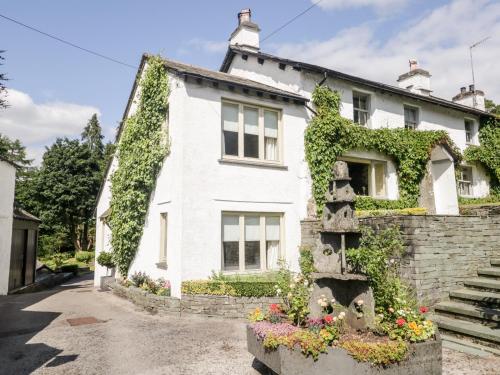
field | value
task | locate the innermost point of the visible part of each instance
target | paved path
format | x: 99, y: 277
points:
x: 35, y: 337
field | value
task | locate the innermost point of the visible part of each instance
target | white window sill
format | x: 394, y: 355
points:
x: 254, y: 163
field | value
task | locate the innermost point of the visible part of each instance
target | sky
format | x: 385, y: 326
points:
x: 54, y: 88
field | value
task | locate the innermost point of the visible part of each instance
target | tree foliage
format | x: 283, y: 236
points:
x: 92, y: 137
x: 329, y: 135
x: 65, y: 188
x: 141, y: 151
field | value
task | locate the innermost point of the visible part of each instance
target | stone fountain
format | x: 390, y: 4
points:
x: 339, y: 231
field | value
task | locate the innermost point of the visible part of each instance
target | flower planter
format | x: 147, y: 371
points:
x: 422, y: 358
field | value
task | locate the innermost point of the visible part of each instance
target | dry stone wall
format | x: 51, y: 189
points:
x: 442, y: 251
x: 221, y: 306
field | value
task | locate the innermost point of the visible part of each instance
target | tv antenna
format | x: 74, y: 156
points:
x: 474, y: 101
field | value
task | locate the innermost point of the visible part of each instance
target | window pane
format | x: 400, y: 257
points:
x: 271, y: 135
x: 379, y: 169
x: 163, y: 237
x: 272, y: 242
x: 230, y: 244
x: 251, y: 121
x: 272, y: 228
x: 359, y: 177
x: 230, y: 129
x: 252, y: 242
x: 272, y: 253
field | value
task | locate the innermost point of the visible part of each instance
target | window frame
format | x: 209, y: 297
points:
x: 261, y: 159
x: 371, y: 174
x: 472, y: 130
x: 414, y: 108
x: 463, y: 182
x: 367, y: 110
x: 163, y: 244
x: 241, y: 245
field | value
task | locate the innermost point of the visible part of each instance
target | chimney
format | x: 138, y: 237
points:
x: 246, y: 35
x: 472, y: 98
x: 417, y: 80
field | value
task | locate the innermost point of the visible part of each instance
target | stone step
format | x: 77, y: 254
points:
x: 476, y: 297
x: 493, y: 272
x: 475, y: 313
x: 485, y: 335
x: 483, y: 283
x: 495, y: 262
x: 466, y: 346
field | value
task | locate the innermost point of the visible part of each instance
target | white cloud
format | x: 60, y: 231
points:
x: 376, y: 4
x: 38, y: 124
x: 206, y: 46
x: 439, y: 40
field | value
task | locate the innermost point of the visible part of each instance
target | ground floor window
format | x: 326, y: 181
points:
x: 368, y: 177
x: 251, y: 241
x: 465, y: 181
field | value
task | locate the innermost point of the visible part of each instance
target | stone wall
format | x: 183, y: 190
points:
x: 443, y: 251
x: 221, y: 306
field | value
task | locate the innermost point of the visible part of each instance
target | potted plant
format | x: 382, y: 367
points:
x: 105, y: 259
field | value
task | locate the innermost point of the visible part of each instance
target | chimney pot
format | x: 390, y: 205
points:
x: 244, y: 16
x: 463, y: 90
x: 471, y: 88
x: 413, y: 64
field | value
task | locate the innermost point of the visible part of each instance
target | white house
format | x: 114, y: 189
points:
x: 8, y: 183
x: 232, y: 192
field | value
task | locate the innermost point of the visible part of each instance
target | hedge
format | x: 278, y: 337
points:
x: 404, y: 211
x: 230, y: 288
x: 70, y: 268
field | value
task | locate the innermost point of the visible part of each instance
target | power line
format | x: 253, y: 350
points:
x: 290, y: 21
x: 69, y: 43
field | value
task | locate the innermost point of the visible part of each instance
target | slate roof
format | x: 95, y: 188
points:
x: 21, y: 214
x: 232, y: 51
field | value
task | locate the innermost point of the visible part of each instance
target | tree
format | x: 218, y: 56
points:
x: 14, y: 151
x: 492, y: 107
x: 3, y: 78
x: 66, y: 189
x: 92, y: 137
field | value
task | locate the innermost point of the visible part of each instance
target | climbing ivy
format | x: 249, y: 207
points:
x: 329, y: 135
x: 488, y: 153
x: 142, y: 148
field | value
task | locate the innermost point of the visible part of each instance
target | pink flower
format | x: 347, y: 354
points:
x: 400, y: 322
x: 328, y: 319
x: 423, y: 309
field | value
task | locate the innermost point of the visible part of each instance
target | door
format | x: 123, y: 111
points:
x: 17, y: 259
x: 444, y: 186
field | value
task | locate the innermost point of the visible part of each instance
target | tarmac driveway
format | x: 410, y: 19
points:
x: 36, y: 337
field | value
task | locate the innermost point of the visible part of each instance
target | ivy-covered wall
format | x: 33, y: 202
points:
x: 329, y: 135
x: 142, y: 148
x: 488, y: 153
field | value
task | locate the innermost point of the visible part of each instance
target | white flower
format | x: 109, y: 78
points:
x: 292, y: 286
x: 334, y: 319
x: 306, y: 283
x: 278, y: 291
x: 392, y: 261
x: 360, y: 302
x: 324, y: 303
x: 290, y: 295
x: 311, y: 288
x: 342, y: 315
x: 320, y: 301
x: 333, y: 300
x: 297, y: 278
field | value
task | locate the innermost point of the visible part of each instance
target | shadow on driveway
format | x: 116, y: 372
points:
x: 18, y: 325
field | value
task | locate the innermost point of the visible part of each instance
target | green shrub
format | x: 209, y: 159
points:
x: 265, y: 276
x: 105, y: 259
x: 139, y: 278
x: 378, y: 353
x: 84, y: 256
x: 378, y: 258
x: 70, y: 268
x: 485, y: 200
x: 370, y: 203
x: 230, y: 288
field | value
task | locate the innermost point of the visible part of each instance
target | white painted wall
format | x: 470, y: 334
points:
x: 7, y: 184
x: 444, y: 184
x: 386, y: 110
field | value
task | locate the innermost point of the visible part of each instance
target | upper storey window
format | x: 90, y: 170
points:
x: 469, y: 131
x: 361, y: 105
x: 251, y: 132
x: 411, y: 117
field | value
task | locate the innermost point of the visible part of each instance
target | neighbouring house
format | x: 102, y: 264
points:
x: 232, y: 192
x: 18, y: 236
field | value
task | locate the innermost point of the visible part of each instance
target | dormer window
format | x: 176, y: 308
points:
x: 411, y: 117
x: 361, y: 105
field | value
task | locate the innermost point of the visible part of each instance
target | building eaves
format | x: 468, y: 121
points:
x: 232, y: 51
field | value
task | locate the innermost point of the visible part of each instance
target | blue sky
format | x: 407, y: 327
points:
x: 358, y: 37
